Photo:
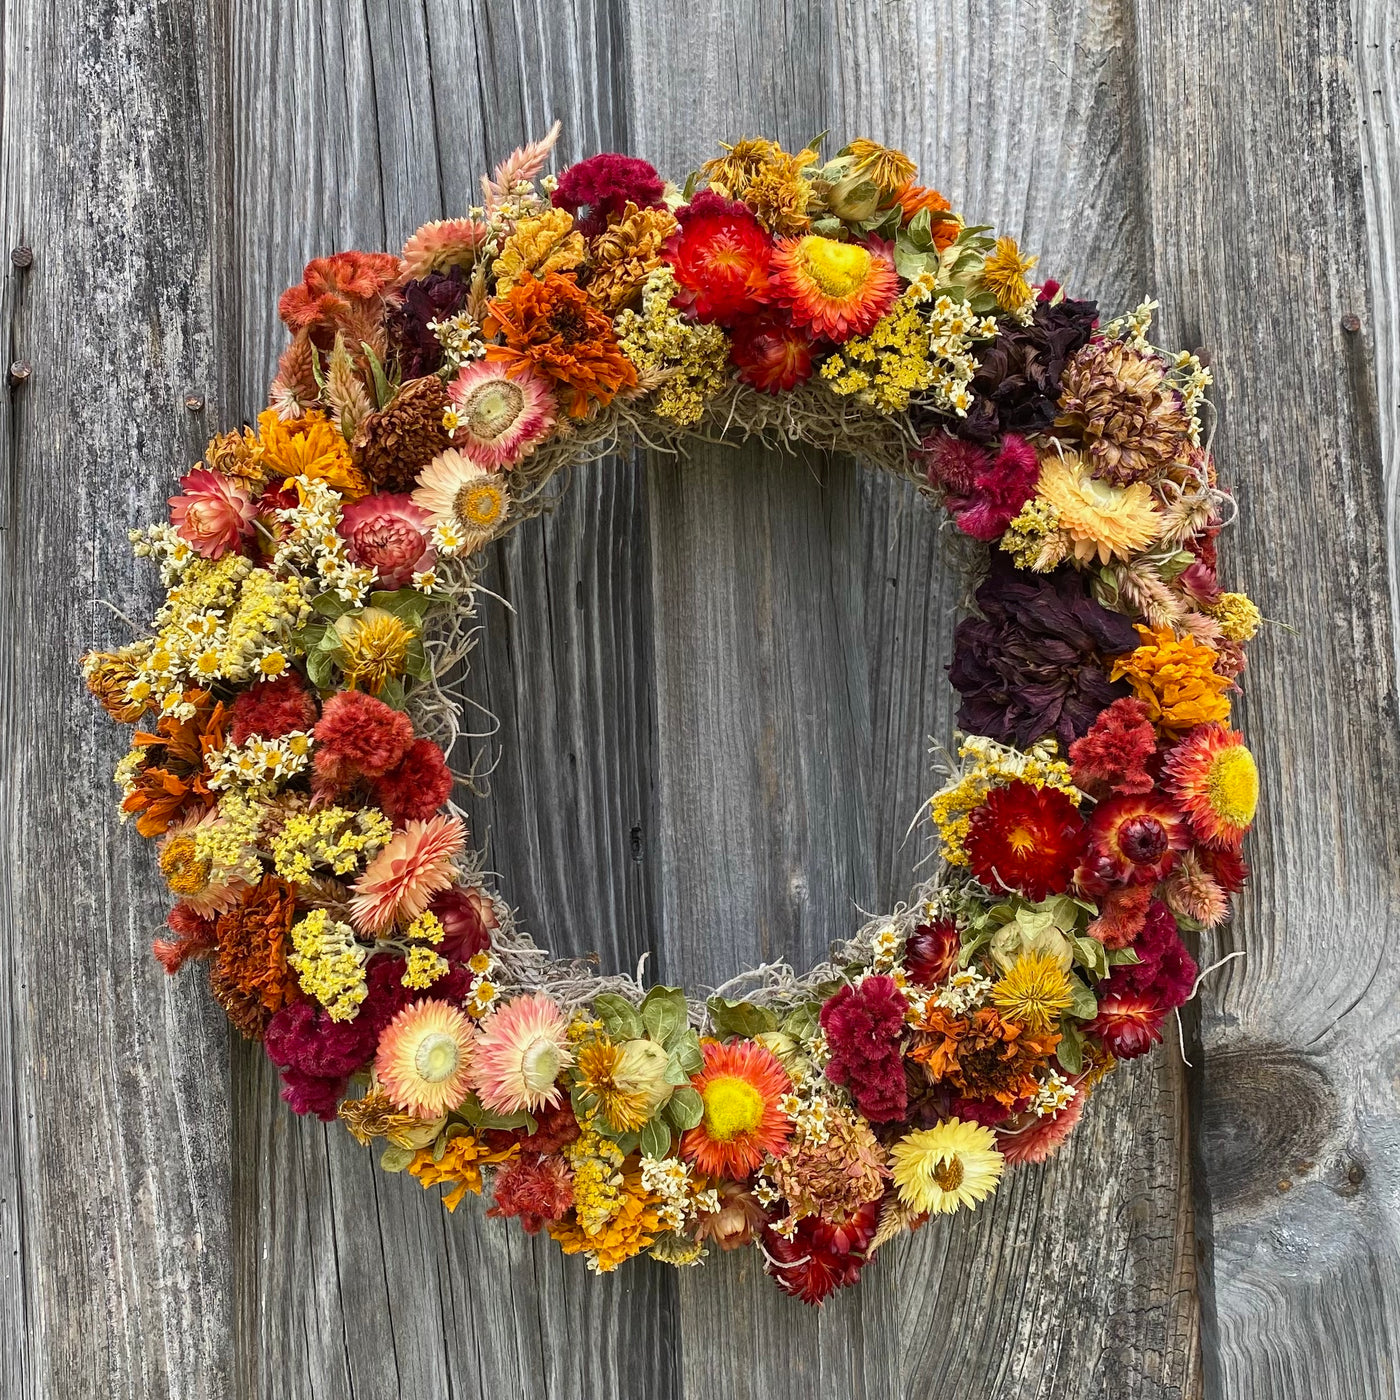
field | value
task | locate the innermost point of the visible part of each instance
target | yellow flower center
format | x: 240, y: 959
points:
x: 479, y: 504
x: 493, y: 409
x: 184, y: 871
x: 374, y: 649
x: 1234, y: 786
x: 732, y: 1106
x: 540, y: 1064
x: 1020, y: 840
x: 437, y: 1057
x: 949, y: 1174
x: 839, y: 269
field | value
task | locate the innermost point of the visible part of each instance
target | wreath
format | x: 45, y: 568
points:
x: 293, y: 712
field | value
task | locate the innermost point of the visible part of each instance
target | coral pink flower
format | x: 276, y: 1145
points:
x: 214, y: 513
x: 1044, y: 1136
x: 520, y: 1052
x: 386, y: 532
x: 740, y: 1085
x: 401, y: 880
x: 358, y: 736
x: 501, y: 417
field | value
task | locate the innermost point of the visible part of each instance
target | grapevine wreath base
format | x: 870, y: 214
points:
x: 292, y: 716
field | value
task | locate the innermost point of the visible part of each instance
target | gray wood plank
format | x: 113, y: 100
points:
x: 114, y: 1146
x: 1299, y: 1120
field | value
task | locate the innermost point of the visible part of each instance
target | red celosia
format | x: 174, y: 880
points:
x: 194, y: 938
x: 603, y: 185
x: 821, y: 1256
x: 987, y: 1112
x: 1133, y: 840
x: 468, y: 918
x: 555, y: 1128
x: 1025, y: 839
x: 864, y: 1026
x: 983, y: 492
x: 416, y: 787
x: 359, y: 737
x: 1165, y: 972
x: 347, y: 291
x: 1121, y: 915
x: 534, y: 1190
x: 931, y: 952
x: 720, y: 257
x: 271, y: 709
x: 1117, y: 752
x: 771, y: 354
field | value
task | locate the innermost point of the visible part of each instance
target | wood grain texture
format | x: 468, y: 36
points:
x: 1258, y: 214
x: 115, y: 1267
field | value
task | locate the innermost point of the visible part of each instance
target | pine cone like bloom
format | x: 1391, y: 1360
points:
x: 864, y: 1027
x: 549, y: 325
x: 250, y: 978
x: 358, y: 736
x: 835, y: 1178
x: 626, y: 254
x: 1165, y: 972
x: 1034, y: 664
x: 1118, y: 401
x: 417, y: 787
x: 437, y: 297
x: 395, y: 442
x: 537, y: 246
x: 821, y: 1256
x: 1044, y: 1136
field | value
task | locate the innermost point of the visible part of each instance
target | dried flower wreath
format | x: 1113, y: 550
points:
x: 289, y: 757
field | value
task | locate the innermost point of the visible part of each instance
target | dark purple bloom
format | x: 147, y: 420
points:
x: 435, y: 297
x: 1017, y: 385
x: 1034, y: 664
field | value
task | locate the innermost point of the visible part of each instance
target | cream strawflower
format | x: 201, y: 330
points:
x: 466, y: 502
x: 522, y: 1048
x: 1098, y: 517
x: 424, y: 1058
x: 942, y: 1168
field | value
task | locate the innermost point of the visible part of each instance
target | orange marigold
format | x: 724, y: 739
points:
x: 310, y: 446
x: 982, y: 1056
x: 634, y: 1228
x: 173, y: 781
x: 913, y: 199
x: 250, y: 978
x: 548, y: 324
x: 1176, y: 679
x: 460, y: 1166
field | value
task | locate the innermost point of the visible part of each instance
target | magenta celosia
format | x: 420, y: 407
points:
x: 864, y: 1026
x: 1165, y: 972
x: 597, y: 190
x: 983, y: 492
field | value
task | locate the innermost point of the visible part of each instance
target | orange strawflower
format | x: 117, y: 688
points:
x: 837, y: 289
x: 250, y: 978
x: 173, y: 782
x: 549, y: 325
x: 741, y: 1086
x: 1175, y: 678
x: 635, y: 1226
x: 459, y: 1166
x: 1215, y: 781
x: 982, y: 1056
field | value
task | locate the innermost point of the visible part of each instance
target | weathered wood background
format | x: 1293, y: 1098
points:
x: 715, y: 692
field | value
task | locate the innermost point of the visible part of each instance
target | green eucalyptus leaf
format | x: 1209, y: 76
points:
x: 320, y: 669
x: 391, y: 693
x: 416, y: 663
x: 628, y: 1143
x: 395, y: 1159
x: 1084, y: 1005
x: 739, y: 1017
x: 331, y: 605
x: 828, y: 228
x: 407, y: 604
x: 802, y: 1022
x: 664, y: 1012
x: 908, y: 263
x: 620, y: 1018
x: 1123, y: 957
x: 675, y: 1071
x: 1070, y: 1050
x: 655, y: 1138
x: 686, y: 1108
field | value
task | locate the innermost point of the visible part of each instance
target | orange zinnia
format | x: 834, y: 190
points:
x: 250, y: 978
x: 982, y: 1056
x: 173, y: 781
x: 549, y: 325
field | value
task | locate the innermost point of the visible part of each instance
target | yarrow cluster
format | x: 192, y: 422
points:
x: 288, y: 756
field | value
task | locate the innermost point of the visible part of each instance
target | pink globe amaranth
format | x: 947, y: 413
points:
x: 213, y: 515
x: 389, y: 534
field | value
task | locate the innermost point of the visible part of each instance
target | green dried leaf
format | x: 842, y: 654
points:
x: 739, y: 1017
x: 685, y: 1108
x: 395, y: 1159
x: 664, y: 1012
x: 620, y: 1018
x: 1070, y: 1050
x: 655, y: 1138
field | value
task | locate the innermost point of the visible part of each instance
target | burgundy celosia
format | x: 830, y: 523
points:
x: 359, y: 737
x: 821, y: 1256
x: 864, y: 1026
x: 603, y: 185
x: 535, y: 1191
x: 982, y: 492
x: 416, y: 786
x: 1166, y: 971
x: 271, y: 709
x: 1116, y: 754
x: 437, y: 297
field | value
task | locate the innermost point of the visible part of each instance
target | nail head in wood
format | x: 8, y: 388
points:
x: 22, y: 257
x: 1351, y: 323
x: 194, y: 403
x: 20, y: 370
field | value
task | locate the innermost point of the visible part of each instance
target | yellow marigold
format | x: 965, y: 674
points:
x: 633, y: 1227
x: 1176, y: 679
x: 544, y: 243
x: 460, y: 1164
x: 626, y: 254
x: 310, y: 446
x: 1099, y: 518
x: 1238, y: 617
x: 768, y: 179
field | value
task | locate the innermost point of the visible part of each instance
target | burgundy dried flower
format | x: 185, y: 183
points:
x: 864, y: 1026
x: 437, y: 297
x: 414, y: 789
x: 931, y: 952
x: 1166, y: 971
x: 1034, y: 664
x: 468, y: 917
x: 821, y: 1256
x: 603, y: 185
x: 984, y: 493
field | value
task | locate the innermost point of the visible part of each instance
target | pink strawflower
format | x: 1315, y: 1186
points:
x: 1044, y: 1136
x: 399, y: 882
x: 359, y: 737
x: 416, y: 787
x: 386, y: 532
x: 522, y: 1049
x: 864, y: 1027
x: 424, y: 1058
x: 501, y: 417
x: 213, y: 515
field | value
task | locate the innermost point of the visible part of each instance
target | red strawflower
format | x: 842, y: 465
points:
x: 1121, y: 915
x: 271, y: 709
x: 864, y: 1027
x: 771, y: 353
x: 821, y: 1256
x: 720, y: 257
x: 195, y: 937
x: 983, y: 493
x: 1227, y: 868
x: 604, y: 185
x: 416, y: 787
x: 467, y: 915
x: 386, y: 532
x: 931, y: 952
x: 1117, y: 752
x: 1132, y: 841
x: 536, y: 1191
x: 1025, y: 839
x: 358, y: 736
x: 1128, y: 1024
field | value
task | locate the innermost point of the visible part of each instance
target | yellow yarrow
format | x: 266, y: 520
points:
x: 886, y: 368
x: 1034, y: 539
x: 423, y: 968
x: 333, y: 836
x: 632, y: 1225
x: 329, y: 963
x: 599, y: 1190
x: 660, y: 342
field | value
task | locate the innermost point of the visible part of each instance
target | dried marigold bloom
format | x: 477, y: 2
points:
x: 251, y: 978
x: 536, y: 246
x: 1176, y: 680
x: 982, y: 1056
x: 626, y: 254
x: 172, y: 780
x: 107, y: 675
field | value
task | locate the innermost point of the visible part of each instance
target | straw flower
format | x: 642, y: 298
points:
x: 522, y: 1048
x: 1100, y: 518
x: 401, y: 880
x: 940, y: 1169
x: 424, y: 1056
